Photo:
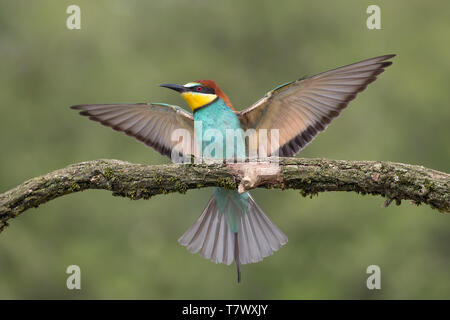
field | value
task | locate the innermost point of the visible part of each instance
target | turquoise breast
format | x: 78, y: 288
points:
x: 212, y: 122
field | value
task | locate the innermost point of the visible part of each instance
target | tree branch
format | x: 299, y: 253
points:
x: 395, y: 181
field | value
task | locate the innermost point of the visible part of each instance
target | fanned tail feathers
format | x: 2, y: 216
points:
x: 257, y: 237
x: 210, y: 235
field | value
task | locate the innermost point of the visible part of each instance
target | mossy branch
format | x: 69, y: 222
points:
x: 395, y: 181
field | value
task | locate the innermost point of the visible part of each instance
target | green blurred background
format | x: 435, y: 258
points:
x: 128, y: 249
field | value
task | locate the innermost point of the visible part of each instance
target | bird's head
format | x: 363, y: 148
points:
x: 200, y: 93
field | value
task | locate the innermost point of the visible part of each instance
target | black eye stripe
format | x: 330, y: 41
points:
x: 202, y: 89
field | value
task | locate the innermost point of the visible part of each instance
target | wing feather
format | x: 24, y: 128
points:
x: 150, y: 123
x: 301, y: 109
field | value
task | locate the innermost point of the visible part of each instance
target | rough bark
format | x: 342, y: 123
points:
x: 395, y: 181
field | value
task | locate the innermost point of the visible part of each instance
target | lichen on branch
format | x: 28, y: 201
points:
x: 395, y: 181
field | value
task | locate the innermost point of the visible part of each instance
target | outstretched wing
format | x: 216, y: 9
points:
x: 301, y: 109
x: 151, y: 123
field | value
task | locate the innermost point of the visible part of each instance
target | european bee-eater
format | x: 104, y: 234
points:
x: 233, y: 227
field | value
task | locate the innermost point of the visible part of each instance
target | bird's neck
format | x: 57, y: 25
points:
x: 216, y: 107
x: 215, y: 103
x: 216, y: 116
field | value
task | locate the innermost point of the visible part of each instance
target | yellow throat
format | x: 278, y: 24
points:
x: 196, y: 100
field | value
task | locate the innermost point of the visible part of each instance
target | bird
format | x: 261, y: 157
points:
x: 232, y: 227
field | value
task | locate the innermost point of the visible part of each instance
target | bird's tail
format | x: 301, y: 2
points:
x: 257, y: 236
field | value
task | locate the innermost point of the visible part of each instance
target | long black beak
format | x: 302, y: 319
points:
x: 175, y: 87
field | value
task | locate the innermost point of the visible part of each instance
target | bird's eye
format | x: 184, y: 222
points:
x: 198, y: 89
